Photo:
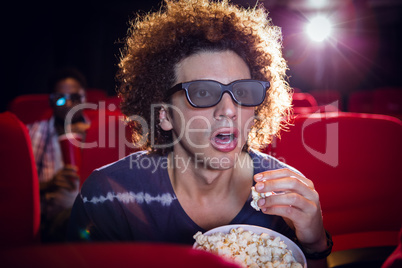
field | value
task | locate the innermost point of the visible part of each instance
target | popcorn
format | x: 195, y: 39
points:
x: 249, y: 249
x: 257, y: 196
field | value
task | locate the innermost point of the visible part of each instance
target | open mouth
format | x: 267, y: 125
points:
x: 225, y: 139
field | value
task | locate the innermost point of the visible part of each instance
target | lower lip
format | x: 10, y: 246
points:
x: 224, y: 147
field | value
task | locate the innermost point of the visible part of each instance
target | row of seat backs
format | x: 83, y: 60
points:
x: 387, y: 100
x: 95, y: 255
x: 354, y: 162
x: 35, y: 107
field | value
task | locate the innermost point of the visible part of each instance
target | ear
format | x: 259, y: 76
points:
x: 164, y: 121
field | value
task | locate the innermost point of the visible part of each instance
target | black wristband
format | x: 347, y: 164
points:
x: 322, y: 254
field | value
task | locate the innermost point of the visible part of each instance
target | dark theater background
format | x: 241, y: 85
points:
x: 363, y: 52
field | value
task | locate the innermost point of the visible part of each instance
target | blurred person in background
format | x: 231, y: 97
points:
x: 59, y: 182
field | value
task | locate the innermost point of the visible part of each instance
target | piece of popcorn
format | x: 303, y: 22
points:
x: 246, y: 234
x: 296, y: 265
x: 261, y: 250
x: 232, y: 237
x: 200, y: 238
x: 257, y: 196
x: 288, y: 257
x: 251, y: 249
x: 276, y: 263
x: 234, y: 247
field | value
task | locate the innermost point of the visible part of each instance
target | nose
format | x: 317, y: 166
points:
x: 226, y: 108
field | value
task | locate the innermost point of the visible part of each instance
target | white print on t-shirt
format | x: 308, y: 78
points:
x: 130, y: 197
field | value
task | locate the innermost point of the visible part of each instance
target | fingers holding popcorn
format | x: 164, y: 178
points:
x: 290, y: 195
x: 281, y: 173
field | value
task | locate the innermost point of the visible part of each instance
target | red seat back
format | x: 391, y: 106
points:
x: 354, y: 162
x: 19, y: 185
x: 31, y: 107
x: 303, y: 100
x: 314, y: 109
x: 107, y: 140
x: 94, y: 95
x: 325, y: 97
x: 113, y: 100
x: 388, y: 101
x: 95, y: 255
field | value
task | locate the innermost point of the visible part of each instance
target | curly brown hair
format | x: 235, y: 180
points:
x: 157, y: 42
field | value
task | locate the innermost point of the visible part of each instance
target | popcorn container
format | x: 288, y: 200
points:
x: 226, y: 229
x: 71, y: 149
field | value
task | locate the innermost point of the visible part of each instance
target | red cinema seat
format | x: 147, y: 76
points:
x: 314, y: 109
x: 107, y: 140
x: 303, y: 100
x: 354, y: 162
x: 115, y: 100
x: 95, y: 255
x: 95, y: 95
x: 19, y: 185
x: 31, y: 107
x: 325, y: 97
x: 361, y: 102
x: 388, y: 101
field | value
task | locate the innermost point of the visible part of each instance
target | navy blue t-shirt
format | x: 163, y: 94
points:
x: 133, y: 200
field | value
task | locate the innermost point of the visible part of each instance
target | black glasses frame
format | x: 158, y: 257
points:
x: 224, y: 88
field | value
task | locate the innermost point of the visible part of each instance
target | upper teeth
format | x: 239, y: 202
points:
x: 226, y: 138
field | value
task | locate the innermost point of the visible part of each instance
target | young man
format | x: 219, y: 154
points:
x: 204, y: 86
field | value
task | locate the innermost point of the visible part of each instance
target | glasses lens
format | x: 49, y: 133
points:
x: 60, y: 101
x: 249, y: 93
x: 204, y: 93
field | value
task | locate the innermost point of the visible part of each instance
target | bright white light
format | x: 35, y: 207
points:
x: 319, y: 28
x: 318, y: 3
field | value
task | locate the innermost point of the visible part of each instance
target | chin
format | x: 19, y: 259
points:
x: 222, y: 160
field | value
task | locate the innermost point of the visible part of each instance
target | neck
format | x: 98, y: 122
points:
x: 192, y: 178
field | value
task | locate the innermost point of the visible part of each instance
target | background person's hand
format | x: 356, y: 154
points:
x: 61, y: 191
x: 67, y: 178
x: 79, y: 127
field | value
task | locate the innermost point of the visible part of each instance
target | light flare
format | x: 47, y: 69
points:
x: 319, y: 28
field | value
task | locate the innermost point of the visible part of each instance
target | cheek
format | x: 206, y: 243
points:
x: 189, y: 121
x: 198, y: 122
x: 247, y: 121
x: 198, y: 129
